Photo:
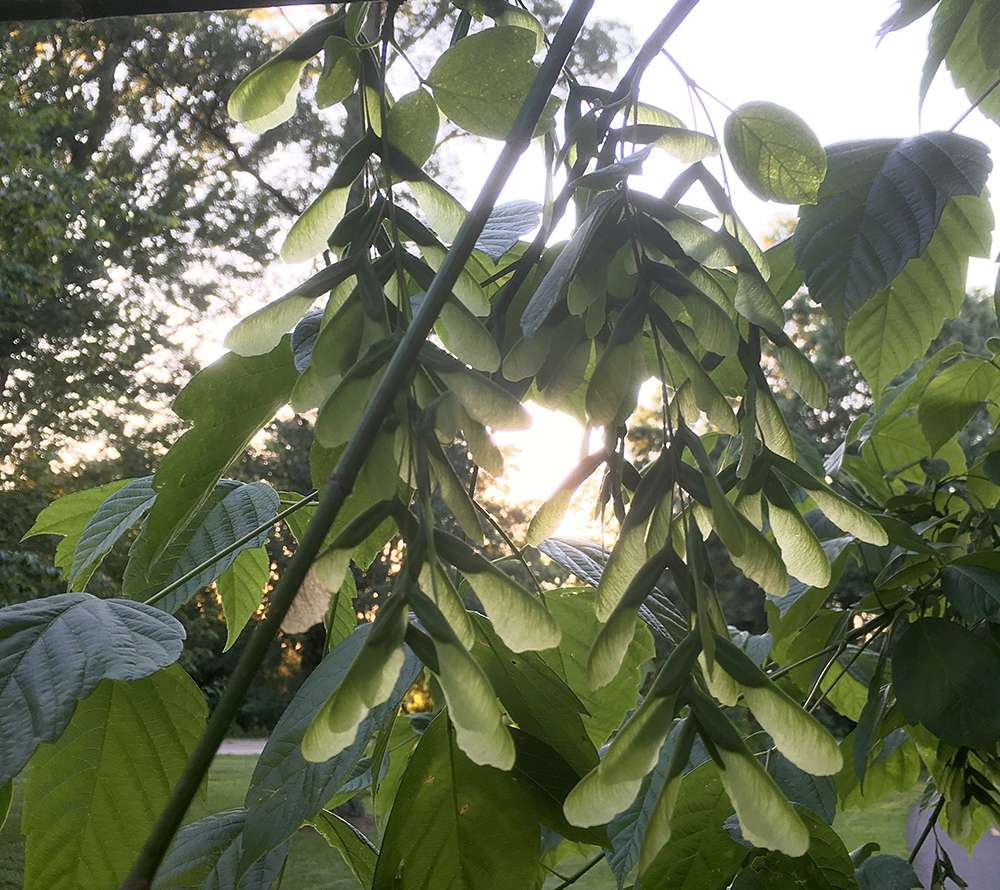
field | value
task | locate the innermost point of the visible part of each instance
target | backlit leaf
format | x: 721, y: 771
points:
x: 228, y: 402
x: 341, y: 65
x: 93, y: 796
x: 481, y: 82
x: 953, y: 397
x: 877, y: 209
x: 412, y: 125
x: 456, y: 822
x: 241, y: 589
x: 700, y: 853
x: 896, y: 326
x: 266, y: 98
x: 68, y: 516
x: 775, y: 153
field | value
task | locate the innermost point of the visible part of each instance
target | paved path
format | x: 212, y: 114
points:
x: 242, y: 746
x: 981, y: 873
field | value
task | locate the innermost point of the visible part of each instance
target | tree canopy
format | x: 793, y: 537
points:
x: 624, y: 714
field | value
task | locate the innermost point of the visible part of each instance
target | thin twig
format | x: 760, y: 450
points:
x: 976, y: 104
x: 927, y: 830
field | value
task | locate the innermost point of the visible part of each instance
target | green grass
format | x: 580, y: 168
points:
x: 313, y: 865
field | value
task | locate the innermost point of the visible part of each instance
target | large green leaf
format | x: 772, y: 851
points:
x: 963, y: 33
x: 826, y: 866
x: 238, y: 514
x: 113, y: 518
x: 972, y: 585
x: 886, y: 873
x: 54, y: 651
x: 948, y: 679
x: 206, y: 856
x: 607, y: 706
x: 228, y: 402
x: 775, y: 153
x: 954, y: 396
x: 146, y: 574
x: 877, y: 209
x: 69, y: 516
x: 285, y: 790
x: 93, y: 796
x: 481, y: 82
x: 506, y: 223
x: 456, y: 825
x: 699, y: 854
x: 521, y: 681
x: 241, y: 588
x: 896, y: 326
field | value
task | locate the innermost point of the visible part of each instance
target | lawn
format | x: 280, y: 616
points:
x: 313, y: 865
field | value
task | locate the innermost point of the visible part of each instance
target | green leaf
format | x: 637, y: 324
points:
x: 755, y: 301
x: 341, y: 64
x: 481, y: 82
x: 896, y: 326
x: 521, y: 680
x: 947, y: 678
x: 826, y: 866
x: 552, y: 287
x: 886, y: 873
x: 93, y: 796
x: 456, y: 824
x: 240, y: 512
x: 206, y: 856
x: 972, y: 585
x: 146, y: 575
x: 262, y: 330
x: 467, y: 338
x: 112, y: 519
x: 241, y: 589
x: 68, y: 516
x: 6, y: 799
x: 609, y: 177
x: 877, y: 209
x: 228, y: 402
x: 699, y: 854
x: 607, y: 706
x: 954, y: 396
x: 412, y: 126
x: 960, y: 34
x: 54, y: 651
x: 359, y: 853
x: 818, y: 793
x: 775, y: 153
x: 285, y: 790
x: 266, y: 98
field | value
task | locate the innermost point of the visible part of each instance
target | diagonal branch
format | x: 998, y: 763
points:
x: 346, y: 472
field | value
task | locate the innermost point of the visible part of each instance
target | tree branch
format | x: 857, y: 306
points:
x: 357, y: 449
x: 85, y: 10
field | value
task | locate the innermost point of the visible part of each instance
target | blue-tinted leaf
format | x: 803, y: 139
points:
x: 886, y: 873
x: 54, y: 652
x: 239, y: 513
x: 113, y: 518
x: 878, y: 208
x: 304, y: 338
x: 506, y: 223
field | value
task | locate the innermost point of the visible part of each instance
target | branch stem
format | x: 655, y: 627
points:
x: 346, y: 471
